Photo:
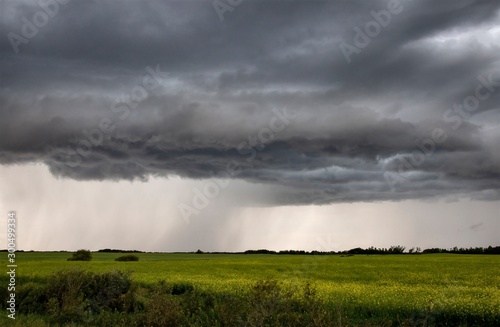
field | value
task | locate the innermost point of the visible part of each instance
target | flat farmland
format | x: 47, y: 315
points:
x: 361, y: 288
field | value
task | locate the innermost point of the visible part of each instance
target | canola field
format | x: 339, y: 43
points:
x: 360, y: 285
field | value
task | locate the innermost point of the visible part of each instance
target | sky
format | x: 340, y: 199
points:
x: 234, y: 125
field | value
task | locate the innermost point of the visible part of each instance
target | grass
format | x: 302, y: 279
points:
x: 383, y: 287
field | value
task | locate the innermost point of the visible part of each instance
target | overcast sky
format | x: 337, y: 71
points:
x: 229, y: 125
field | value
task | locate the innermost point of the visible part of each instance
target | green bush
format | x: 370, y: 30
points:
x: 65, y: 297
x: 110, y: 290
x: 267, y: 302
x: 81, y: 255
x: 31, y: 298
x: 128, y: 257
x: 75, y: 295
x: 181, y: 288
x: 272, y: 303
x: 230, y: 311
x: 163, y: 310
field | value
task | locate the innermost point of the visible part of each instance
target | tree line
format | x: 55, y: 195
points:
x: 395, y: 249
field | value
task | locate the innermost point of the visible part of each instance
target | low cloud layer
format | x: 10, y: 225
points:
x: 286, y: 94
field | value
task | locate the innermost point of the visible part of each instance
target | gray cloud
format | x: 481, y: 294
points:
x: 357, y: 131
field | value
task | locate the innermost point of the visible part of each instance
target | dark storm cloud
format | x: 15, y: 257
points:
x: 109, y: 91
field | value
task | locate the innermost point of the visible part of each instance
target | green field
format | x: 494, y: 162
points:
x: 364, y: 289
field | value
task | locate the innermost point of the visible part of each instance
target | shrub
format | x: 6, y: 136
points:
x: 65, y: 297
x: 110, y: 290
x: 181, y: 288
x: 75, y: 294
x: 199, y: 307
x: 31, y: 298
x: 268, y: 301
x: 81, y: 255
x: 271, y: 303
x: 230, y: 311
x: 163, y: 310
x: 128, y: 257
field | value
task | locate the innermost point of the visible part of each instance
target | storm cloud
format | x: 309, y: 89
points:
x: 321, y: 101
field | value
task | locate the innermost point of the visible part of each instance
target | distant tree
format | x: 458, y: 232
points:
x: 199, y: 251
x: 119, y: 251
x: 434, y: 250
x: 492, y: 250
x: 372, y: 250
x: 260, y: 251
x: 81, y: 255
x: 396, y: 249
x: 356, y: 251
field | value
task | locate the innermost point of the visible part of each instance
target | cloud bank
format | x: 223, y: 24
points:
x: 268, y: 95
